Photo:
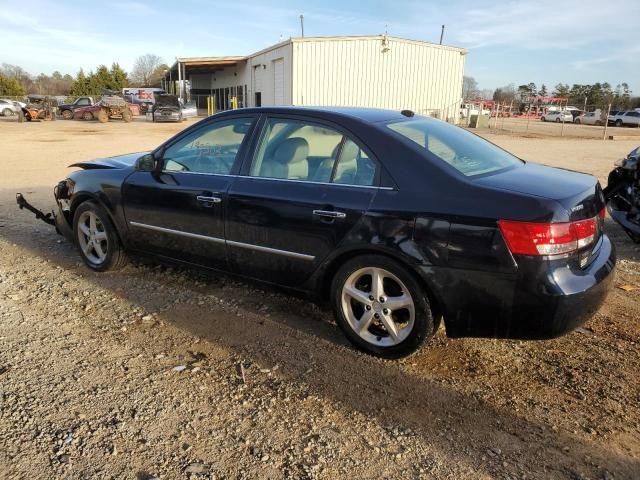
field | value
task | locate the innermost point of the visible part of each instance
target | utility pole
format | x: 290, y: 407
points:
x: 441, y: 34
x: 302, y: 25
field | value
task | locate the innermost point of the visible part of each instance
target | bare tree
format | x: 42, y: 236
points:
x: 144, y: 68
x: 469, y: 88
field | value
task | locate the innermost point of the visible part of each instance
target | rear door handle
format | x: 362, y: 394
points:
x: 208, y: 201
x: 329, y: 214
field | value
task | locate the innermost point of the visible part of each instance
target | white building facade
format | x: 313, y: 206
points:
x: 373, y: 71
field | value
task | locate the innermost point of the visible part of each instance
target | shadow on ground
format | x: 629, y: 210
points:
x: 313, y: 354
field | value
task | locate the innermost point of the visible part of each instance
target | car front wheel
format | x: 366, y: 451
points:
x: 97, y: 239
x: 381, y: 307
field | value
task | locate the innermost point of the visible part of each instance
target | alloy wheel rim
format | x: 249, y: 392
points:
x: 378, y: 306
x: 92, y: 237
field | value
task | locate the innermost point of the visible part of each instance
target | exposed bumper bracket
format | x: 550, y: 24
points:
x: 48, y: 218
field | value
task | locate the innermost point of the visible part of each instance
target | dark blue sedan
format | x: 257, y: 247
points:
x: 399, y: 221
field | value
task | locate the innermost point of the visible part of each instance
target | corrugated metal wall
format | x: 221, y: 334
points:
x: 261, y: 76
x: 375, y: 72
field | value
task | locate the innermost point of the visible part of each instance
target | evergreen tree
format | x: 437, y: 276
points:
x: 10, y: 87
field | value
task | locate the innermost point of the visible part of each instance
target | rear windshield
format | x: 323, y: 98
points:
x: 464, y: 151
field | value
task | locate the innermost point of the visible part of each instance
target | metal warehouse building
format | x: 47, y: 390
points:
x: 373, y: 71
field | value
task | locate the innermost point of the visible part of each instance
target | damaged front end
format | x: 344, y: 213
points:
x: 61, y: 219
x: 623, y: 194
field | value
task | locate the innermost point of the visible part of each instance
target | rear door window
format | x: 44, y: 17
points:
x: 305, y: 151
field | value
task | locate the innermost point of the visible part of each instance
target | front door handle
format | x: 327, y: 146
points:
x: 329, y: 214
x: 208, y: 201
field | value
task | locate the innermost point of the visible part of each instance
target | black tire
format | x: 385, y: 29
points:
x: 542, y: 119
x: 103, y: 116
x: 7, y: 112
x: 618, y: 123
x: 424, y: 325
x: 115, y: 255
x: 557, y: 120
x: 67, y: 114
x: 127, y: 116
x: 88, y: 116
x: 577, y: 121
x: 598, y: 123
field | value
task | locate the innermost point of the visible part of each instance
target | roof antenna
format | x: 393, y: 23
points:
x: 302, y: 25
x: 441, y: 34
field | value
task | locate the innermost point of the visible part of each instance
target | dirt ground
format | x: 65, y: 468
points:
x: 158, y: 372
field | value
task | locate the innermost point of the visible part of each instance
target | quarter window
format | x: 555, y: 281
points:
x: 212, y: 149
x: 297, y: 150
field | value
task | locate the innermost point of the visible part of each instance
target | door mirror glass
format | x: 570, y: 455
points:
x: 146, y: 163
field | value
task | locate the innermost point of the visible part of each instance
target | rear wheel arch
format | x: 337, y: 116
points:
x: 334, y: 266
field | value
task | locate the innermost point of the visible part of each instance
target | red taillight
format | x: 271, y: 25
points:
x: 525, y: 238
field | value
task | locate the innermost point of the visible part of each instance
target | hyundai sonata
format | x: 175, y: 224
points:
x: 399, y: 221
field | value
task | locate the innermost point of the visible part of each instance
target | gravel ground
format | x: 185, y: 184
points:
x: 163, y: 372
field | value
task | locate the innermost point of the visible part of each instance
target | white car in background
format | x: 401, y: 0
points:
x: 629, y: 118
x: 189, y: 110
x: 557, y: 117
x: 10, y: 107
x: 590, y: 118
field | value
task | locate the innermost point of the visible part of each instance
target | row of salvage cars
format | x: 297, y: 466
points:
x: 110, y: 107
x: 165, y: 108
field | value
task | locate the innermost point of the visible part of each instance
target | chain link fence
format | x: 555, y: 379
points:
x: 589, y: 121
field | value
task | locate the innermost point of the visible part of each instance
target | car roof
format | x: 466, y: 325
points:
x: 370, y: 115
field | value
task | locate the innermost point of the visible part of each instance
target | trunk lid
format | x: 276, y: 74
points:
x: 579, y: 193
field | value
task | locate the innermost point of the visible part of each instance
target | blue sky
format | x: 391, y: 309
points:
x: 510, y: 41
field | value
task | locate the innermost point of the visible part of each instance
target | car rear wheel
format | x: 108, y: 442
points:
x: 97, y: 239
x: 7, y: 112
x: 67, y: 115
x: 618, y: 123
x: 577, y: 121
x: 543, y: 119
x: 598, y: 123
x: 380, y: 307
x: 87, y: 116
x: 557, y: 120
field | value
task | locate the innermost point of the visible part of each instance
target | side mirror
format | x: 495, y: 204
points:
x: 146, y: 163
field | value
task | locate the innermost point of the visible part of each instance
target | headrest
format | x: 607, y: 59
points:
x: 349, y: 151
x: 292, y: 150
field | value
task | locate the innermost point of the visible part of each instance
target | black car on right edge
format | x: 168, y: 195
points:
x: 397, y: 220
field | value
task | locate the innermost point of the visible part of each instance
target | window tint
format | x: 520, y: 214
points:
x: 354, y: 167
x: 297, y: 150
x: 466, y: 152
x: 211, y: 149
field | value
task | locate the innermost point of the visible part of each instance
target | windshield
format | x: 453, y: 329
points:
x: 464, y: 151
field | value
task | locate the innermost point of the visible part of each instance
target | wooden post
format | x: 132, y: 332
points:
x: 563, y: 112
x: 606, y: 123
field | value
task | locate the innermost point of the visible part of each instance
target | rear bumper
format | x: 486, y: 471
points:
x: 539, y: 302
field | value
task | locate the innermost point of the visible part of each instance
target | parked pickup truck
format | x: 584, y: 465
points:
x: 630, y: 118
x: 67, y: 110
